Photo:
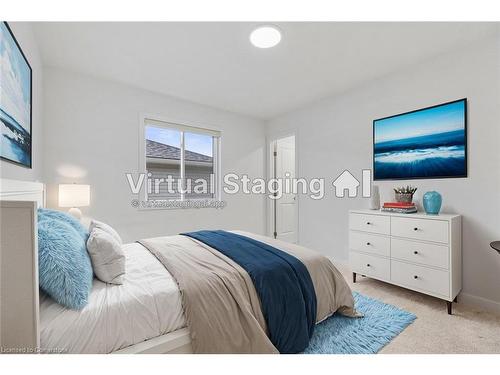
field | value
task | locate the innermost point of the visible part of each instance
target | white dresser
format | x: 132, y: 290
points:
x: 416, y: 251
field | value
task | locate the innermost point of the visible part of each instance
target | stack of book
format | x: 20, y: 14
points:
x: 399, y: 207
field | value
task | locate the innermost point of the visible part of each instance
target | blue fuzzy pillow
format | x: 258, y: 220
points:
x: 65, y: 270
x: 44, y: 213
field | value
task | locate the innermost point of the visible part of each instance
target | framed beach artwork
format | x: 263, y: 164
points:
x: 15, y: 100
x: 426, y: 143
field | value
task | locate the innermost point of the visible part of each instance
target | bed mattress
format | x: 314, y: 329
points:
x: 148, y: 304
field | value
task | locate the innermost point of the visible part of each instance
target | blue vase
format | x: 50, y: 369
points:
x: 432, y: 202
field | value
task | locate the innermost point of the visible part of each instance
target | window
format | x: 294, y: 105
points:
x: 181, y: 161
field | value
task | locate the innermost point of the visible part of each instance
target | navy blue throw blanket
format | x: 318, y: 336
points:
x: 282, y: 282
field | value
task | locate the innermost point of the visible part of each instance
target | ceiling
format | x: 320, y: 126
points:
x: 214, y: 64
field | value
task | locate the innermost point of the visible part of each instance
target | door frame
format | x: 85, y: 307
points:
x: 270, y: 203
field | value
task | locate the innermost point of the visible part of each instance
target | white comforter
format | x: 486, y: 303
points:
x: 147, y: 305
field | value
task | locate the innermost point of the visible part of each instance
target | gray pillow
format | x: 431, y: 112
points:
x: 107, y: 228
x: 108, y: 258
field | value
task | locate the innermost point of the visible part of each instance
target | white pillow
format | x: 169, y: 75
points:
x: 106, y: 228
x: 108, y: 258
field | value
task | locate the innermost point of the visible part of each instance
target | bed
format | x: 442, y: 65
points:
x: 31, y: 322
x: 147, y: 305
x: 147, y: 314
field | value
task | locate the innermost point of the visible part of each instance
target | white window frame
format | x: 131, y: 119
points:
x: 176, y: 124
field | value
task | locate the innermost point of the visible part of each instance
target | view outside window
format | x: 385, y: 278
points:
x: 198, y: 163
x: 164, y: 157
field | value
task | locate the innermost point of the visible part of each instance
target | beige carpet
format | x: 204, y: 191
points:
x: 468, y: 330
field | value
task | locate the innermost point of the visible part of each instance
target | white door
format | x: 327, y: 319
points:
x: 286, y: 206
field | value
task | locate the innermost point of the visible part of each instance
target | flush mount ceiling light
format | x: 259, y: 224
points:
x: 265, y: 36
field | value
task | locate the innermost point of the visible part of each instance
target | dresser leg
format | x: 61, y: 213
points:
x: 354, y: 277
x: 448, y: 303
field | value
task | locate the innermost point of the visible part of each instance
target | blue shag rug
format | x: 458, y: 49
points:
x: 367, y: 335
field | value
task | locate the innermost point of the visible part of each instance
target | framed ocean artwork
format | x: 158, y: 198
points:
x: 15, y: 100
x: 427, y: 143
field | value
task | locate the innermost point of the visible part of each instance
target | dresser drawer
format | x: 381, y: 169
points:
x: 420, y: 278
x: 370, y: 223
x: 420, y: 252
x: 420, y: 229
x: 370, y: 243
x: 370, y: 265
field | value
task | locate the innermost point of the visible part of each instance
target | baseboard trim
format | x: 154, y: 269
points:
x: 479, y: 302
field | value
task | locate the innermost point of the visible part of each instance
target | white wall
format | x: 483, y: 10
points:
x: 24, y: 35
x: 92, y: 136
x: 336, y: 134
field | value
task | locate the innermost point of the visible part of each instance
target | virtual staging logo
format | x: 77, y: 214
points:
x: 202, y: 192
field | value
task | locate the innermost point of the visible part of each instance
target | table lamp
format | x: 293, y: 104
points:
x: 74, y: 196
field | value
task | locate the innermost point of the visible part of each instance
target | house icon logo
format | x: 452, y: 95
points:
x: 346, y: 181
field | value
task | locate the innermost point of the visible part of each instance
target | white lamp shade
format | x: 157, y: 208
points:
x: 74, y: 195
